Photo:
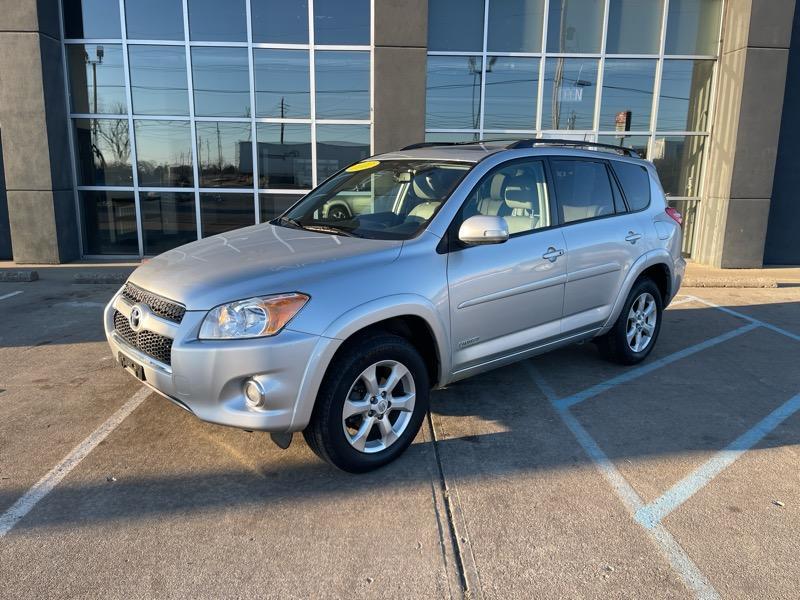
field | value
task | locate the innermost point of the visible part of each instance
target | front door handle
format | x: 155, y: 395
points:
x: 552, y: 254
x: 633, y: 237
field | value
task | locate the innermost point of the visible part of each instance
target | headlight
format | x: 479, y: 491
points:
x: 255, y: 317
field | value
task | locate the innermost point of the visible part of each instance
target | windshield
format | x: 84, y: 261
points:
x: 388, y: 200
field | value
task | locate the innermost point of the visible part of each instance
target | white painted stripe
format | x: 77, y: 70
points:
x: 759, y: 322
x: 10, y: 295
x: 632, y: 374
x: 46, y: 484
x: 681, y: 301
x: 680, y: 562
x: 652, y: 514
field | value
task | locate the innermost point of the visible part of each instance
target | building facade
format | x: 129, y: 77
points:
x: 129, y: 127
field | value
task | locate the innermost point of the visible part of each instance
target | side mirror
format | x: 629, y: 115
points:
x: 482, y: 229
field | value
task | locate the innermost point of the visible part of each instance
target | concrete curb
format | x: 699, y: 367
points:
x: 17, y: 275
x: 100, y: 278
x: 729, y: 282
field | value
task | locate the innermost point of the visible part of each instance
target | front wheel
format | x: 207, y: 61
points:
x: 371, y: 404
x: 636, y: 330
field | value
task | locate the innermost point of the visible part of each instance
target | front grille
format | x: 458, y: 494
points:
x: 154, y: 345
x: 166, y: 309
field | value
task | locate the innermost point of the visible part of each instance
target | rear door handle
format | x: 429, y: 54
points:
x: 633, y: 237
x: 552, y: 254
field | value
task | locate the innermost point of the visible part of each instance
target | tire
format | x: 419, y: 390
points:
x: 615, y: 344
x: 379, y: 431
x: 339, y: 212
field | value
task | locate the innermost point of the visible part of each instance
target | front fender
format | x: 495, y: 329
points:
x: 353, y: 321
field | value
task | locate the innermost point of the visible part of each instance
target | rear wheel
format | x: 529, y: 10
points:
x: 370, y: 405
x: 636, y: 330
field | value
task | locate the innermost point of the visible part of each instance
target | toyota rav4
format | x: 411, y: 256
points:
x: 397, y: 275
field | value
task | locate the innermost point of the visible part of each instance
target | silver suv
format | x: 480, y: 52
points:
x: 448, y: 261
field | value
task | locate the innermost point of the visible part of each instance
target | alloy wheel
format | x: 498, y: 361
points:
x: 378, y: 406
x: 641, y: 323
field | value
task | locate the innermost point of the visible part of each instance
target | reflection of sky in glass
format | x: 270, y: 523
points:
x: 158, y: 80
x: 685, y: 94
x: 511, y: 89
x: 279, y: 21
x: 164, y: 145
x: 693, y: 27
x: 103, y: 64
x: 154, y: 19
x: 570, y: 85
x: 282, y: 83
x: 515, y: 26
x: 86, y: 19
x: 221, y: 82
x: 342, y: 80
x: 634, y: 27
x: 575, y: 25
x: 453, y: 92
x: 207, y: 22
x: 342, y: 22
x: 455, y: 25
x: 628, y: 85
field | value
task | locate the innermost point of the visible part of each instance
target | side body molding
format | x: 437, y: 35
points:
x: 358, y: 318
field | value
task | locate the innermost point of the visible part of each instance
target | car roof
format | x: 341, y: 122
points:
x: 474, y: 152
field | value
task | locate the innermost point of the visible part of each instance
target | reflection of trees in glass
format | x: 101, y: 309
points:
x: 113, y: 134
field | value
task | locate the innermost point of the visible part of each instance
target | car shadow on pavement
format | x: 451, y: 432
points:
x: 495, y: 425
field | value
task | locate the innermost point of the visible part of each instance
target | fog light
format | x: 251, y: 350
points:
x: 255, y: 394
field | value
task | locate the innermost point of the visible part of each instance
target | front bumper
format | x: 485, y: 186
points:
x: 206, y: 376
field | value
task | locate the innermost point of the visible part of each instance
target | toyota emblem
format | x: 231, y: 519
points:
x: 135, y: 319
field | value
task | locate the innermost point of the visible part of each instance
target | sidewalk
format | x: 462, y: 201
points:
x: 769, y: 277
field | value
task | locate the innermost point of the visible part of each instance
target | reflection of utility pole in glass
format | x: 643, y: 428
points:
x: 475, y: 70
x: 99, y: 52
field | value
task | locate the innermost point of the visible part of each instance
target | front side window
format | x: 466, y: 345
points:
x: 388, y: 200
x: 583, y: 190
x: 517, y: 192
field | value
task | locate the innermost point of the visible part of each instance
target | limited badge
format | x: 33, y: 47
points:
x: 362, y: 166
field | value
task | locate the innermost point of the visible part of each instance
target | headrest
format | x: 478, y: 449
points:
x: 518, y: 197
x: 496, y: 189
x: 435, y: 184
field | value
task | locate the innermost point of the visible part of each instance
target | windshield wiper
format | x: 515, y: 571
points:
x: 330, y: 229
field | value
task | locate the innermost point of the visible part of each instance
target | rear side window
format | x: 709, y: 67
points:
x: 635, y: 184
x: 583, y: 190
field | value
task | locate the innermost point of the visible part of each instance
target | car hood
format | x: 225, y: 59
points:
x: 258, y: 260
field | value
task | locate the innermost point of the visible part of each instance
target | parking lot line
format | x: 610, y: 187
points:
x: 637, y: 372
x: 46, y: 484
x: 672, y: 551
x: 653, y: 513
x: 10, y: 295
x: 758, y: 322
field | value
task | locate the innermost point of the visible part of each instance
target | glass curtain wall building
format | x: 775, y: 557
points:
x: 638, y: 73
x: 193, y: 117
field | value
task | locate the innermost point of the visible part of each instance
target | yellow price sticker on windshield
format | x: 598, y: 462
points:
x: 367, y: 164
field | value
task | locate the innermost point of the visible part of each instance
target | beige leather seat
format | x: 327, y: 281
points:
x: 519, y: 202
x: 424, y: 210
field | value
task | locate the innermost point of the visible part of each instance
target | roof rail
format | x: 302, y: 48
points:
x: 530, y: 143
x: 425, y: 145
